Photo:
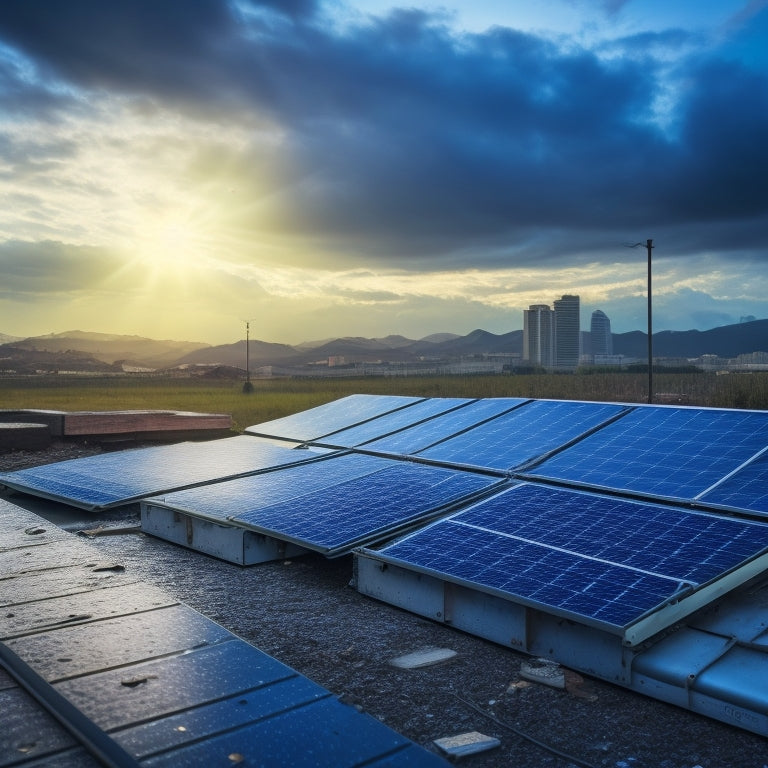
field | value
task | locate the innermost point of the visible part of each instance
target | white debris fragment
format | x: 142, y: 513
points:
x: 466, y: 744
x: 543, y: 671
x: 423, y: 658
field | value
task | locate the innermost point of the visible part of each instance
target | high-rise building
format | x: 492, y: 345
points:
x: 567, y: 337
x: 600, y: 334
x: 539, y: 335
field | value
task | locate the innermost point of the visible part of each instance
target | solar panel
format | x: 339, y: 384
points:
x: 745, y: 489
x: 604, y: 560
x: 110, y: 479
x: 225, y: 500
x: 527, y: 432
x: 671, y: 453
x: 331, y: 515
x: 394, y: 421
x: 421, y: 436
x: 315, y: 423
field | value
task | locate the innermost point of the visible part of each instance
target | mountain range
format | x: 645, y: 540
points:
x: 78, y: 350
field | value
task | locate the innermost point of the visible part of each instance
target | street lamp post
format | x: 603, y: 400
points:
x: 649, y: 248
x: 247, y: 387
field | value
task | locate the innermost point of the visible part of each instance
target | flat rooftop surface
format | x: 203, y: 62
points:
x: 304, y: 613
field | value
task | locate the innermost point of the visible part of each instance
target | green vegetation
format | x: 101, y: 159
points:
x: 272, y: 398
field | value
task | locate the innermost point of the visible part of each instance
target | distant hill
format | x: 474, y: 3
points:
x: 110, y: 348
x: 725, y: 341
x: 259, y: 353
x: 75, y: 350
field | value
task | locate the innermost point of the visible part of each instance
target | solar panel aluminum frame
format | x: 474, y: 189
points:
x: 653, y: 621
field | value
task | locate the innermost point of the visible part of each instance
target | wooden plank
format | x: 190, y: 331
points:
x: 143, y: 422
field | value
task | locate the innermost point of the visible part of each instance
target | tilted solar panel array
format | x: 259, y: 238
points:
x: 413, y: 417
x: 675, y: 454
x: 417, y: 438
x: 312, y: 424
x: 335, y: 504
x: 599, y: 559
x: 111, y: 479
x: 526, y: 433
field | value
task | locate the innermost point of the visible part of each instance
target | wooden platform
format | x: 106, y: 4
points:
x: 134, y: 425
x: 94, y: 662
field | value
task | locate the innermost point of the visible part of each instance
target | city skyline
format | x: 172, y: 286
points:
x: 324, y: 168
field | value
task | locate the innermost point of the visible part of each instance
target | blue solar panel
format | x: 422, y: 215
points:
x: 607, y: 559
x: 318, y: 422
x: 394, y: 421
x: 421, y: 436
x: 523, y: 434
x: 674, y: 453
x: 227, y: 499
x: 109, y: 479
x: 746, y: 489
x: 332, y: 517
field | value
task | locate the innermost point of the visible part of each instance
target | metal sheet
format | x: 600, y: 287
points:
x: 28, y: 731
x: 144, y: 691
x: 318, y: 422
x: 111, y: 479
x: 32, y: 614
x: 523, y: 435
x: 23, y: 529
x: 71, y: 651
x: 418, y: 438
x: 330, y: 736
x: 661, y: 452
x: 192, y: 725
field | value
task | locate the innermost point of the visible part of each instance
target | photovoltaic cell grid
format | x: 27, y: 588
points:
x: 746, y: 489
x: 318, y: 422
x: 605, y: 559
x: 333, y: 518
x: 225, y: 500
x: 421, y: 436
x: 110, y: 479
x: 670, y: 453
x: 393, y: 421
x: 524, y: 434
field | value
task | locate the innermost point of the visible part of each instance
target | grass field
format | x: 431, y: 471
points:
x: 273, y: 398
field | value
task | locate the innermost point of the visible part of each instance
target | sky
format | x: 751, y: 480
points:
x: 176, y: 169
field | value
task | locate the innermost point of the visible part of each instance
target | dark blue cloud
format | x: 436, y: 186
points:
x: 405, y: 139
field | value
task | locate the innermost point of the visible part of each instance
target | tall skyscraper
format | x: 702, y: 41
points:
x: 567, y: 326
x: 539, y: 335
x: 600, y: 334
